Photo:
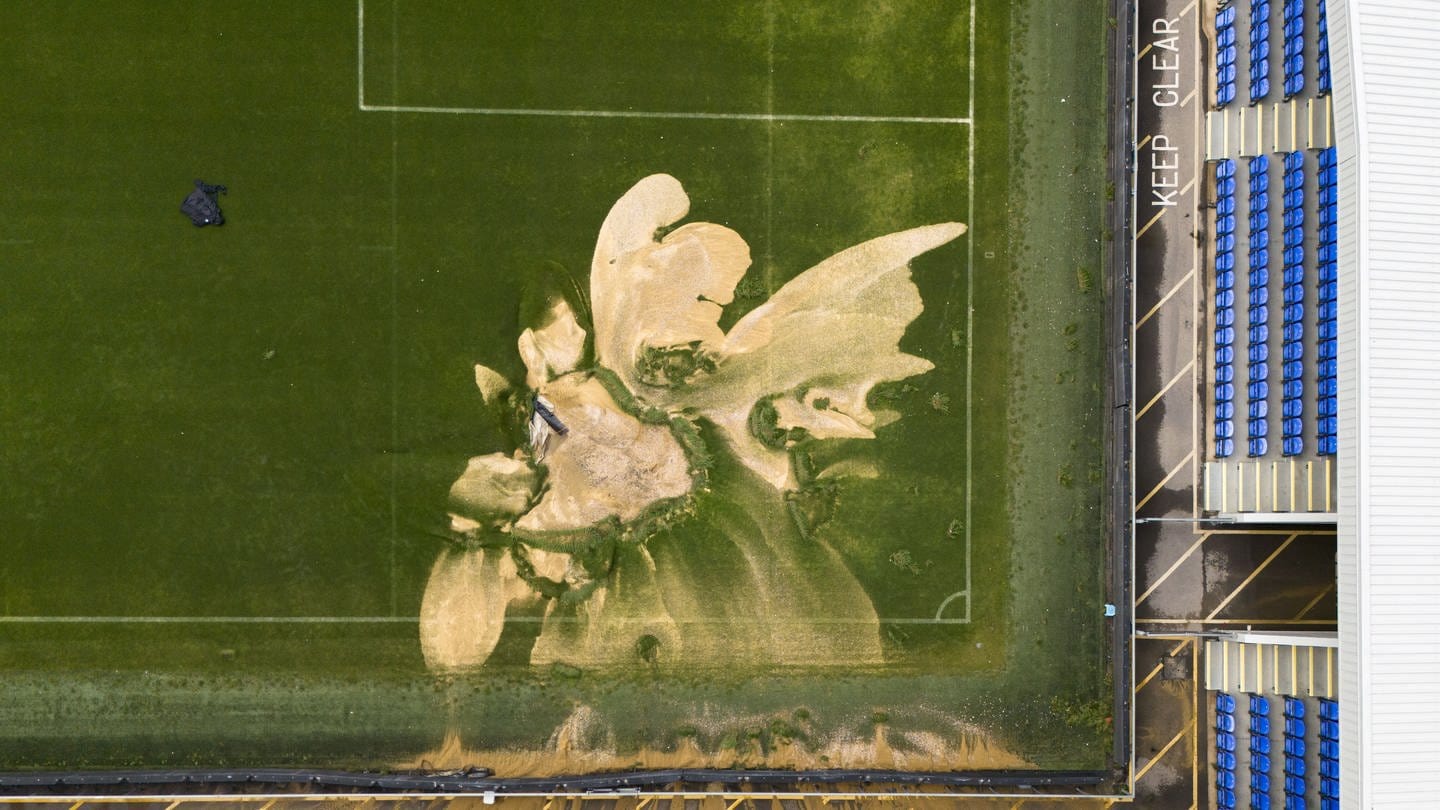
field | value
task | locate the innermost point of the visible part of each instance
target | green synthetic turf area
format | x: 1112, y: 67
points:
x: 262, y: 421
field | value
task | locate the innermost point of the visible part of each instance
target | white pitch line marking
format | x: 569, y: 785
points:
x: 702, y: 116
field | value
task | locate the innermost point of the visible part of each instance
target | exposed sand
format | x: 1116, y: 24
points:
x: 917, y: 751
x: 825, y: 338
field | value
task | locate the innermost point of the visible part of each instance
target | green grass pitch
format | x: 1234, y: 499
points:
x: 226, y: 451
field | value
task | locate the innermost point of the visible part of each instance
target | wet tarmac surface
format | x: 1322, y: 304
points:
x: 1191, y: 575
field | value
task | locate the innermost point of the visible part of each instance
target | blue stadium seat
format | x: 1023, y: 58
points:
x: 1259, y: 333
x: 1260, y: 801
x: 1295, y: 766
x: 1259, y: 352
x: 1291, y: 428
x: 1225, y: 206
x: 1225, y: 224
x: 1224, y: 392
x: 1295, y: 746
x: 1225, y: 410
x: 1226, y: 186
x: 1225, y: 779
x: 1259, y: 745
x: 1328, y: 445
x: 1259, y: 705
x: 1225, y: 280
x: 1330, y: 768
x: 1326, y: 406
x: 1225, y: 799
x: 1294, y: 802
x: 1329, y: 425
x: 1259, y: 786
x: 1259, y: 217
x: 1224, y: 430
x: 1330, y: 788
x: 1327, y: 368
x: 1329, y: 730
x: 1258, y: 409
x: 1257, y: 429
x: 1327, y: 388
x: 1291, y: 408
x: 1329, y: 710
x: 1224, y: 354
x: 1292, y: 275
x: 1224, y: 448
x: 1260, y: 762
x: 1224, y: 760
x: 1293, y: 293
x: 1329, y: 749
x: 1224, y: 169
x: 1259, y: 371
x: 1328, y: 311
x: 1259, y: 297
x: 1292, y: 389
x: 1261, y: 87
x: 1293, y: 349
x: 1292, y: 446
x: 1294, y: 255
x: 1224, y: 261
x: 1225, y: 316
x: 1259, y: 164
x: 1292, y: 331
x: 1329, y: 290
x: 1327, y: 349
x: 1295, y: 726
x: 1225, y: 244
x: 1258, y: 447
x: 1225, y: 298
x: 1225, y: 17
x: 1329, y: 803
x: 1225, y: 37
x: 1292, y: 370
x: 1295, y: 785
x: 1258, y: 390
x: 1293, y: 199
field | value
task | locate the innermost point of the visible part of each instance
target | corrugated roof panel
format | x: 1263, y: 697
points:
x: 1387, y: 105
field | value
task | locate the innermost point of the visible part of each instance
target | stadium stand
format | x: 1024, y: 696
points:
x: 1309, y: 777
x: 1259, y: 312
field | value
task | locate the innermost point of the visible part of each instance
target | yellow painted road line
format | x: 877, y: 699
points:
x: 1163, y: 751
x: 1261, y: 567
x: 1313, y: 602
x: 1186, y: 370
x: 1165, y: 480
x: 1183, y: 557
x: 1152, y: 221
x: 1145, y: 50
x: 1190, y: 97
x: 1141, y: 144
x: 1168, y: 295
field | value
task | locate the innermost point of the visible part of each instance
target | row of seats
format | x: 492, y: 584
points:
x: 1294, y: 754
x: 1259, y: 259
x: 1225, y: 56
x: 1259, y: 49
x: 1259, y: 753
x: 1292, y: 347
x: 1329, y: 279
x: 1224, y: 305
x: 1322, y: 58
x: 1329, y: 755
x: 1224, y: 759
x: 1293, y: 14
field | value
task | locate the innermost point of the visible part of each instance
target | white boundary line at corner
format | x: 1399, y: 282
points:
x: 703, y: 116
x: 970, y: 325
